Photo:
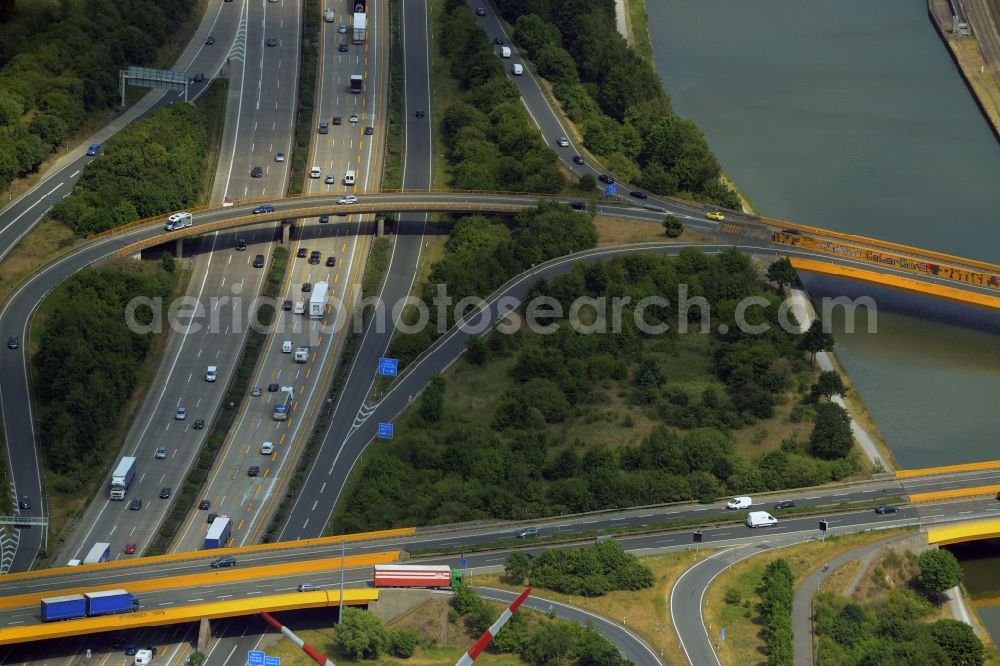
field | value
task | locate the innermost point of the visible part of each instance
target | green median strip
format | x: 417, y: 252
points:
x: 236, y: 392
x: 675, y: 525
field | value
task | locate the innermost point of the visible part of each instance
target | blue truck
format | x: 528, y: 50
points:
x: 91, y: 604
x: 219, y: 533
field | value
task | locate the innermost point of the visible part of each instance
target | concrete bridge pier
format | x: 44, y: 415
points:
x: 179, y: 248
x: 204, y: 635
x: 379, y: 226
x: 286, y: 231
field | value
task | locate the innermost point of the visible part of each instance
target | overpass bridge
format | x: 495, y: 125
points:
x: 833, y: 253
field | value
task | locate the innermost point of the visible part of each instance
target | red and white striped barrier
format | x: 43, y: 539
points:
x: 305, y: 647
x: 484, y: 640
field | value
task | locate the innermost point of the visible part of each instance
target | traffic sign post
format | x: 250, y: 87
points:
x: 610, y: 189
x: 255, y: 658
x: 696, y: 538
x: 272, y: 661
x: 388, y: 367
x: 385, y: 431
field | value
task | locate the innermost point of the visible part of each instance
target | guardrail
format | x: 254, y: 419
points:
x: 948, y: 469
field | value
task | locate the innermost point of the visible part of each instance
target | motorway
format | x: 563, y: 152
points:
x: 255, y: 129
x: 248, y: 501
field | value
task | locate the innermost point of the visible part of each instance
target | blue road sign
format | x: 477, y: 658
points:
x: 610, y: 189
x: 385, y: 431
x: 272, y: 661
x: 722, y: 634
x: 255, y: 658
x: 387, y: 367
x: 463, y: 563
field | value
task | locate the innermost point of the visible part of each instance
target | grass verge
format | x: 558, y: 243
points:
x: 444, y: 93
x: 376, y: 269
x: 646, y: 612
x: 731, y: 600
x: 236, y: 391
x: 642, y: 43
x: 307, y: 96
x: 392, y: 169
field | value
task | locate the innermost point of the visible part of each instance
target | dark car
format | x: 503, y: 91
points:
x: 118, y: 644
x: 25, y: 503
x: 253, y: 470
x: 204, y: 505
x: 998, y: 496
x: 198, y: 78
x: 307, y: 286
x: 132, y: 648
x: 886, y: 508
x: 286, y: 306
x: 266, y: 208
x: 343, y: 47
x: 258, y: 261
x: 135, y: 504
x: 498, y: 41
x: 303, y: 251
x: 369, y: 131
x: 199, y: 424
x: 323, y: 128
x: 212, y: 517
x: 257, y: 172
x: 130, y: 548
x: 227, y: 561
x: 638, y: 194
x: 210, y: 41
x: 241, y: 244
x: 605, y: 178
x: 419, y: 113
x: 314, y: 257
x: 272, y: 42
x: 577, y: 159
x: 272, y: 388
x: 337, y: 120
x: 95, y: 149
x: 13, y: 342
x: 786, y: 504
x: 527, y: 533
x: 165, y: 493
x: 578, y: 205
x: 331, y: 261
x: 323, y: 219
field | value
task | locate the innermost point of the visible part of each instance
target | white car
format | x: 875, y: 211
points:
x: 563, y: 141
x: 267, y: 448
x: 280, y: 157
x: 182, y: 413
x: 353, y: 118
x: 349, y: 199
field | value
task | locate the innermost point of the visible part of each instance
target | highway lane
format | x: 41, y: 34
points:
x: 219, y: 272
x: 315, y: 503
x: 246, y: 500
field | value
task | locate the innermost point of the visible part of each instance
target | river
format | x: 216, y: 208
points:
x: 853, y: 117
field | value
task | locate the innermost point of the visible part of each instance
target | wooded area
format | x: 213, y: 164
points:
x: 60, y: 62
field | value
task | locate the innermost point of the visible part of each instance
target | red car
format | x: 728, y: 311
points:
x: 130, y: 549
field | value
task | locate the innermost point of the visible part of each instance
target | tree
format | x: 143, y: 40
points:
x: 831, y: 435
x: 476, y: 350
x: 815, y: 340
x: 518, y: 566
x: 782, y: 272
x: 959, y: 641
x: 673, y: 226
x: 939, y: 570
x: 432, y: 400
x: 168, y: 262
x: 361, y: 635
x: 587, y: 182
x: 404, y: 643
x: 828, y: 384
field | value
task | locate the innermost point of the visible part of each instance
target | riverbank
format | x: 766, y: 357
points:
x: 980, y: 76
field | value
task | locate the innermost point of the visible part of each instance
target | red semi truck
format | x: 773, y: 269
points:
x: 417, y: 575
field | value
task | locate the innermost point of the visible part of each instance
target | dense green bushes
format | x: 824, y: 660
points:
x: 542, y: 642
x: 492, y: 142
x: 616, y: 99
x: 87, y: 366
x: 776, y: 590
x: 60, y: 62
x: 151, y: 167
x: 512, y: 457
x: 588, y: 572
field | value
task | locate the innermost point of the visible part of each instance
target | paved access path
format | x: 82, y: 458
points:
x: 802, y: 626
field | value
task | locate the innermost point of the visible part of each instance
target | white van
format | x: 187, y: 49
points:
x: 517, y: 70
x: 739, y: 503
x: 349, y: 177
x: 504, y: 51
x: 143, y: 657
x: 286, y: 347
x: 267, y: 448
x: 178, y: 221
x: 760, y: 519
x: 314, y: 173
x: 302, y: 354
x: 328, y: 16
x: 300, y: 308
x: 210, y: 374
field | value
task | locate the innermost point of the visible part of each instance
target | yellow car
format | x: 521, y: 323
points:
x: 715, y: 215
